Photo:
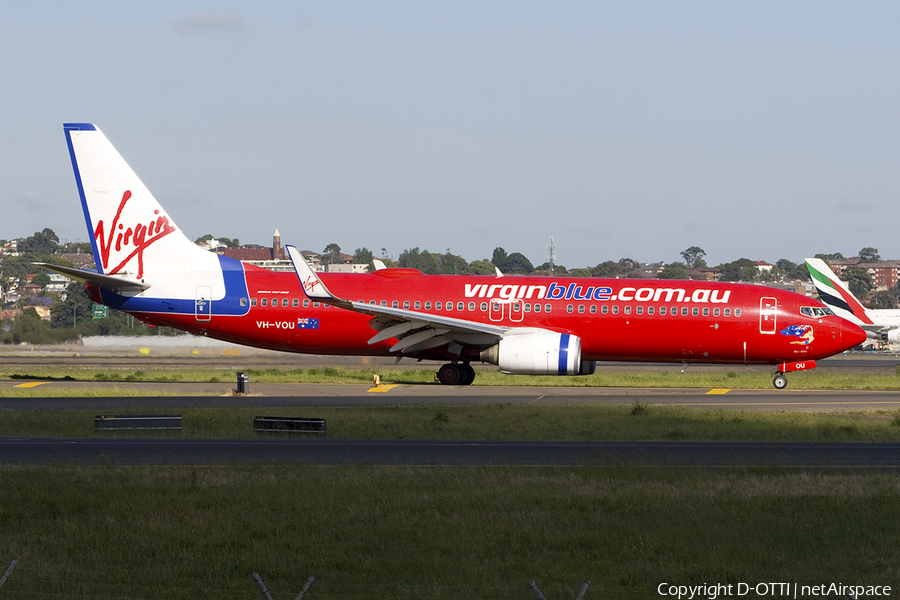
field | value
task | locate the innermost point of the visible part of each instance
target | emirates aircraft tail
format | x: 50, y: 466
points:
x: 835, y: 293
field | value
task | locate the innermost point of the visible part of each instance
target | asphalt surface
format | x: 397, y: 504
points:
x: 173, y: 451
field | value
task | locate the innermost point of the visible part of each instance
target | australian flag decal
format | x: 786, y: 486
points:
x: 307, y: 323
x: 804, y: 332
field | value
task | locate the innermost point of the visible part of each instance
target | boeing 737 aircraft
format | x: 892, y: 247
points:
x: 881, y: 323
x: 147, y: 267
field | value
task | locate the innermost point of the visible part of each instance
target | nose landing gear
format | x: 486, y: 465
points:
x: 779, y: 381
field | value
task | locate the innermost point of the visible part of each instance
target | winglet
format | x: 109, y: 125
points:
x: 312, y: 285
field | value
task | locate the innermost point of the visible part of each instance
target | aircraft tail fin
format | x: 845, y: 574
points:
x: 130, y: 232
x: 835, y: 293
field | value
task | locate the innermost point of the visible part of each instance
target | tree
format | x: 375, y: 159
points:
x: 41, y: 279
x: 480, y: 267
x: 362, y: 256
x: 29, y: 328
x: 743, y: 269
x: 869, y: 254
x: 831, y: 257
x: 518, y: 263
x: 332, y: 253
x: 499, y: 258
x: 859, y: 281
x: 693, y: 257
x: 424, y: 261
x: 675, y: 270
x: 42, y: 243
x: 451, y: 264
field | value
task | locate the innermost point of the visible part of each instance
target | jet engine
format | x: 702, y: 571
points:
x: 538, y: 352
x: 893, y: 336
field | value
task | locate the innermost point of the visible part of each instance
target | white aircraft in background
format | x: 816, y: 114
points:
x: 879, y: 323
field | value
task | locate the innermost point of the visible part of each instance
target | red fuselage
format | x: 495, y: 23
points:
x: 616, y: 319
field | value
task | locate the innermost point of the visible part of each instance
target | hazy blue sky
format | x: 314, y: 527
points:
x: 763, y: 130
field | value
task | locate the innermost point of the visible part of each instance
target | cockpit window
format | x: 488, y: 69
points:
x: 815, y: 311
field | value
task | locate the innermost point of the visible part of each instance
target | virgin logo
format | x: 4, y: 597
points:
x: 133, y: 240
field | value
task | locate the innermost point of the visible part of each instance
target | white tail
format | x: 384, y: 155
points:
x: 130, y: 232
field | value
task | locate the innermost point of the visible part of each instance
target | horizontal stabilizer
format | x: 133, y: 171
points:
x: 110, y: 282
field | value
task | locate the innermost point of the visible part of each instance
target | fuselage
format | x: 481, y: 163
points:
x: 616, y: 319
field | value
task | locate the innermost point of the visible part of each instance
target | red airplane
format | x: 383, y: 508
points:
x: 147, y: 267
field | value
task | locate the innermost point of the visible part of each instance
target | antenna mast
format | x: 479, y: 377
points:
x: 551, y: 256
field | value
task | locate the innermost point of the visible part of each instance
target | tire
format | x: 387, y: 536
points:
x: 468, y: 374
x: 780, y: 382
x: 450, y: 374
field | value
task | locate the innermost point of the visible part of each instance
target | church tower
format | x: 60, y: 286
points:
x: 277, y: 250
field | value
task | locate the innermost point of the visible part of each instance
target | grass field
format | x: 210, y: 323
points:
x: 637, y: 421
x: 467, y: 533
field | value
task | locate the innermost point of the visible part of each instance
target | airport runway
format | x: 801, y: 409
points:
x: 286, y: 395
x: 173, y: 451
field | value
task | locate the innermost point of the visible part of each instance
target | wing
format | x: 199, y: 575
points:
x: 415, y: 331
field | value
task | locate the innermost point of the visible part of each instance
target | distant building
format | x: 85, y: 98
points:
x: 275, y: 258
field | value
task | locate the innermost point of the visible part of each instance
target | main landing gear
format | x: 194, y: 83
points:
x: 456, y: 374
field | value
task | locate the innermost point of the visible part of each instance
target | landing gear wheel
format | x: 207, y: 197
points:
x: 780, y: 382
x: 468, y: 374
x: 450, y: 374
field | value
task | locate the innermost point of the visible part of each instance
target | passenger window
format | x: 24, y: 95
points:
x: 546, y: 308
x: 428, y: 306
x: 264, y: 302
x: 483, y: 306
x: 315, y: 305
x: 727, y: 312
x: 628, y: 310
x: 274, y: 301
x: 406, y: 304
x: 715, y: 312
x: 418, y: 305
x: 243, y: 302
x: 295, y: 303
x: 460, y: 306
x: 615, y: 310
x: 284, y: 302
x: 527, y: 307
x: 395, y: 304
x: 639, y: 310
x: 437, y: 305
x: 662, y: 310
x: 737, y: 312
x: 449, y: 305
x: 252, y: 301
x: 471, y: 306
x: 537, y: 308
x: 569, y: 308
x: 593, y: 309
x: 695, y: 311
x: 605, y: 309
x: 705, y: 312
x: 384, y: 302
x: 684, y: 311
x: 650, y: 310
x: 306, y: 303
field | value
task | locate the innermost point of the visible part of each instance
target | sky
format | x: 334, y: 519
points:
x: 760, y: 130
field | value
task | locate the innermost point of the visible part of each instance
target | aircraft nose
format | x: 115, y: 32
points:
x: 851, y: 334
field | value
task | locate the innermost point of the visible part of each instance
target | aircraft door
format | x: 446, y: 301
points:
x: 768, y: 313
x: 203, y: 303
x: 516, y: 311
x: 495, y: 310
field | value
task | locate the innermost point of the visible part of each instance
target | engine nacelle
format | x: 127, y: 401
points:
x: 538, y: 352
x: 893, y: 336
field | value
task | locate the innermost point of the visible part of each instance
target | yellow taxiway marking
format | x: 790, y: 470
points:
x: 32, y: 384
x: 383, y: 388
x: 718, y: 391
x: 738, y: 403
